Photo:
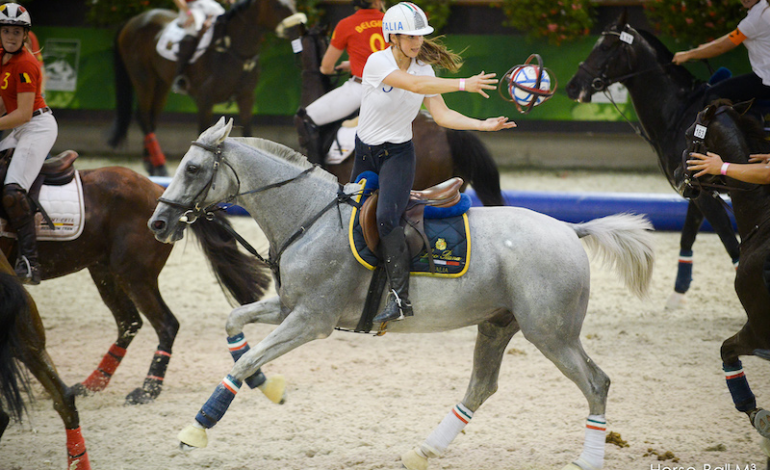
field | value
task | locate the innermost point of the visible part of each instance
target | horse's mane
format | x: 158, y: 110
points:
x: 285, y: 153
x: 239, y: 6
x: 664, y: 55
x: 752, y: 130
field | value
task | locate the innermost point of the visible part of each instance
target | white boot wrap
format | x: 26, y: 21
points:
x: 452, y: 424
x: 593, y: 447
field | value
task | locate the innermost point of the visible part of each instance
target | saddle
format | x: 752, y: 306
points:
x: 442, y: 195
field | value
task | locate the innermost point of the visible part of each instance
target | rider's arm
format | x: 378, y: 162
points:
x: 710, y: 49
x: 22, y: 114
x: 427, y: 85
x: 451, y: 119
x: 711, y: 164
x: 331, y: 56
x: 181, y: 4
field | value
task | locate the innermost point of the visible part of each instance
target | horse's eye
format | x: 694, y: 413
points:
x: 193, y: 169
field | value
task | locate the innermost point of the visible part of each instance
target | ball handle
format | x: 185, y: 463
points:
x: 507, y: 80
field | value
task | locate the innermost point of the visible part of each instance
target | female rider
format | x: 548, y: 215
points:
x: 397, y: 81
x: 193, y: 15
x: 753, y: 32
x: 34, y: 131
x: 359, y: 34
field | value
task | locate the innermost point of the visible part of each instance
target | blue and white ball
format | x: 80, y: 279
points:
x: 523, y: 82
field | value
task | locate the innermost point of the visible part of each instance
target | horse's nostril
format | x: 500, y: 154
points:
x: 158, y: 224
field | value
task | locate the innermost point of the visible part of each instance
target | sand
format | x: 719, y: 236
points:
x: 357, y: 401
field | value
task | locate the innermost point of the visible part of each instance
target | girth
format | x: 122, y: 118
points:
x: 445, y: 194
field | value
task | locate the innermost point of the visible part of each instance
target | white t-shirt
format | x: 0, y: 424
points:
x: 756, y: 28
x: 387, y: 112
x: 200, y: 10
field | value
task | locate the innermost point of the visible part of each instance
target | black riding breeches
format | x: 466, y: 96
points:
x: 739, y: 89
x: 395, y: 166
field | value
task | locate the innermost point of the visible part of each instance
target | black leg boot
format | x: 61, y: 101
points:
x: 187, y: 47
x: 309, y: 137
x: 397, y: 265
x: 22, y: 219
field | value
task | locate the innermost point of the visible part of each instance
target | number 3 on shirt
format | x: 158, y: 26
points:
x: 5, y: 80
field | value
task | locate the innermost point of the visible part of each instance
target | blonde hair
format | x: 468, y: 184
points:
x: 434, y: 52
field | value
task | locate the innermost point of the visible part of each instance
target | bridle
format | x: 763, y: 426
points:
x: 194, y: 209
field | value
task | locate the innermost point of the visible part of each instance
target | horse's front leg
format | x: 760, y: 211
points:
x: 265, y: 311
x: 245, y: 108
x: 301, y: 326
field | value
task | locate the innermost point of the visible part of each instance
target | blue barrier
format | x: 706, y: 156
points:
x: 665, y: 211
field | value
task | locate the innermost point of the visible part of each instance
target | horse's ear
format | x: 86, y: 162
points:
x: 743, y: 106
x: 708, y: 112
x: 623, y: 19
x: 220, y: 130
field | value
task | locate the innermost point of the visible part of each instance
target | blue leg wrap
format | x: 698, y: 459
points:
x: 684, y: 272
x: 739, y: 388
x: 238, y: 347
x: 218, y: 403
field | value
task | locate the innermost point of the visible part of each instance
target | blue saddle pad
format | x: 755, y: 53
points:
x: 446, y: 229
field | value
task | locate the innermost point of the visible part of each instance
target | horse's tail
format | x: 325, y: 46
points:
x: 623, y: 241
x: 124, y: 97
x: 243, y: 278
x: 14, y: 382
x: 472, y: 160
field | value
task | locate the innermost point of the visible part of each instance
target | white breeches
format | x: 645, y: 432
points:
x: 33, y: 141
x: 337, y: 104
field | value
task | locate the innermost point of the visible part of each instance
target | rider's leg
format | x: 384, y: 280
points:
x: 309, y: 136
x: 396, y: 178
x: 22, y: 219
x: 187, y: 47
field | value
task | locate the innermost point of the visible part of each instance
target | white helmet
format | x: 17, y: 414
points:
x: 405, y: 18
x: 13, y: 14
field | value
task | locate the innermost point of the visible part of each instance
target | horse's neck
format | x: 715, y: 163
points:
x: 281, y: 212
x: 658, y: 100
x: 751, y: 207
x: 313, y: 83
x: 244, y: 30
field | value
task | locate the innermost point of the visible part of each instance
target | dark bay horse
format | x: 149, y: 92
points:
x: 227, y: 71
x: 441, y: 153
x: 734, y: 136
x: 666, y: 98
x: 22, y: 337
x: 125, y: 260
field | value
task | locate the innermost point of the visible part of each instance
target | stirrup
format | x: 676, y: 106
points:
x: 27, y: 272
x: 395, y: 309
x: 180, y: 85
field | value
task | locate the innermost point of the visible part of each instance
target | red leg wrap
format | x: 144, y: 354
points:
x: 77, y: 457
x: 153, y: 148
x: 99, y: 378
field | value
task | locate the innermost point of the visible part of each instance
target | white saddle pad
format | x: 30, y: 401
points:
x: 342, y: 146
x: 168, y: 43
x: 65, y: 205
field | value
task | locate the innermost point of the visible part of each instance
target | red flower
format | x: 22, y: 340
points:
x: 552, y: 27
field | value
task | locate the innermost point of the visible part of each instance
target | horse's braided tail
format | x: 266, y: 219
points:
x: 14, y: 382
x: 124, y: 97
x: 472, y: 160
x: 243, y: 278
x: 623, y: 241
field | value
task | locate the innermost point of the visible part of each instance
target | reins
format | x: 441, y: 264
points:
x: 194, y: 210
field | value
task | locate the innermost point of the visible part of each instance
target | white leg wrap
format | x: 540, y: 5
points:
x: 452, y: 424
x: 592, y: 457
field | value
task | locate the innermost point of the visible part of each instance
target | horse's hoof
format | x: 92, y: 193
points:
x: 676, y: 301
x: 414, y: 461
x: 274, y: 388
x: 765, y: 445
x: 139, y: 397
x: 80, y: 390
x: 761, y: 422
x: 193, y: 437
x: 160, y: 171
x: 580, y: 464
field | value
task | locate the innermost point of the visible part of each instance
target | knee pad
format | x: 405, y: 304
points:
x: 15, y: 201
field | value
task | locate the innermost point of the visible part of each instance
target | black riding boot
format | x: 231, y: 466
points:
x: 22, y: 219
x: 397, y: 265
x: 309, y: 137
x: 187, y: 47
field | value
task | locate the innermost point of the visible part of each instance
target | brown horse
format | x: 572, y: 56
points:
x: 125, y: 260
x: 227, y: 71
x: 22, y: 337
x: 441, y: 153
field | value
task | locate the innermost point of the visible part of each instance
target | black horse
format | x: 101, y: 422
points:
x: 227, y: 71
x: 666, y: 98
x: 725, y: 130
x: 441, y: 153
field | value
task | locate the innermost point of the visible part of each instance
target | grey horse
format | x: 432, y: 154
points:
x: 527, y: 272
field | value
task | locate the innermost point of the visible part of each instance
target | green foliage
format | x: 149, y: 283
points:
x: 556, y: 20
x: 313, y: 10
x: 437, y: 11
x: 694, y: 22
x: 113, y: 13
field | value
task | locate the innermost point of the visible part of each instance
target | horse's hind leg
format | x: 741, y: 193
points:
x: 128, y: 322
x: 491, y: 340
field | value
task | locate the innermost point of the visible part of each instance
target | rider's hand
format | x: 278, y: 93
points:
x: 681, y: 57
x: 709, y: 164
x: 496, y: 124
x: 343, y: 66
x: 760, y: 158
x: 479, y: 83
